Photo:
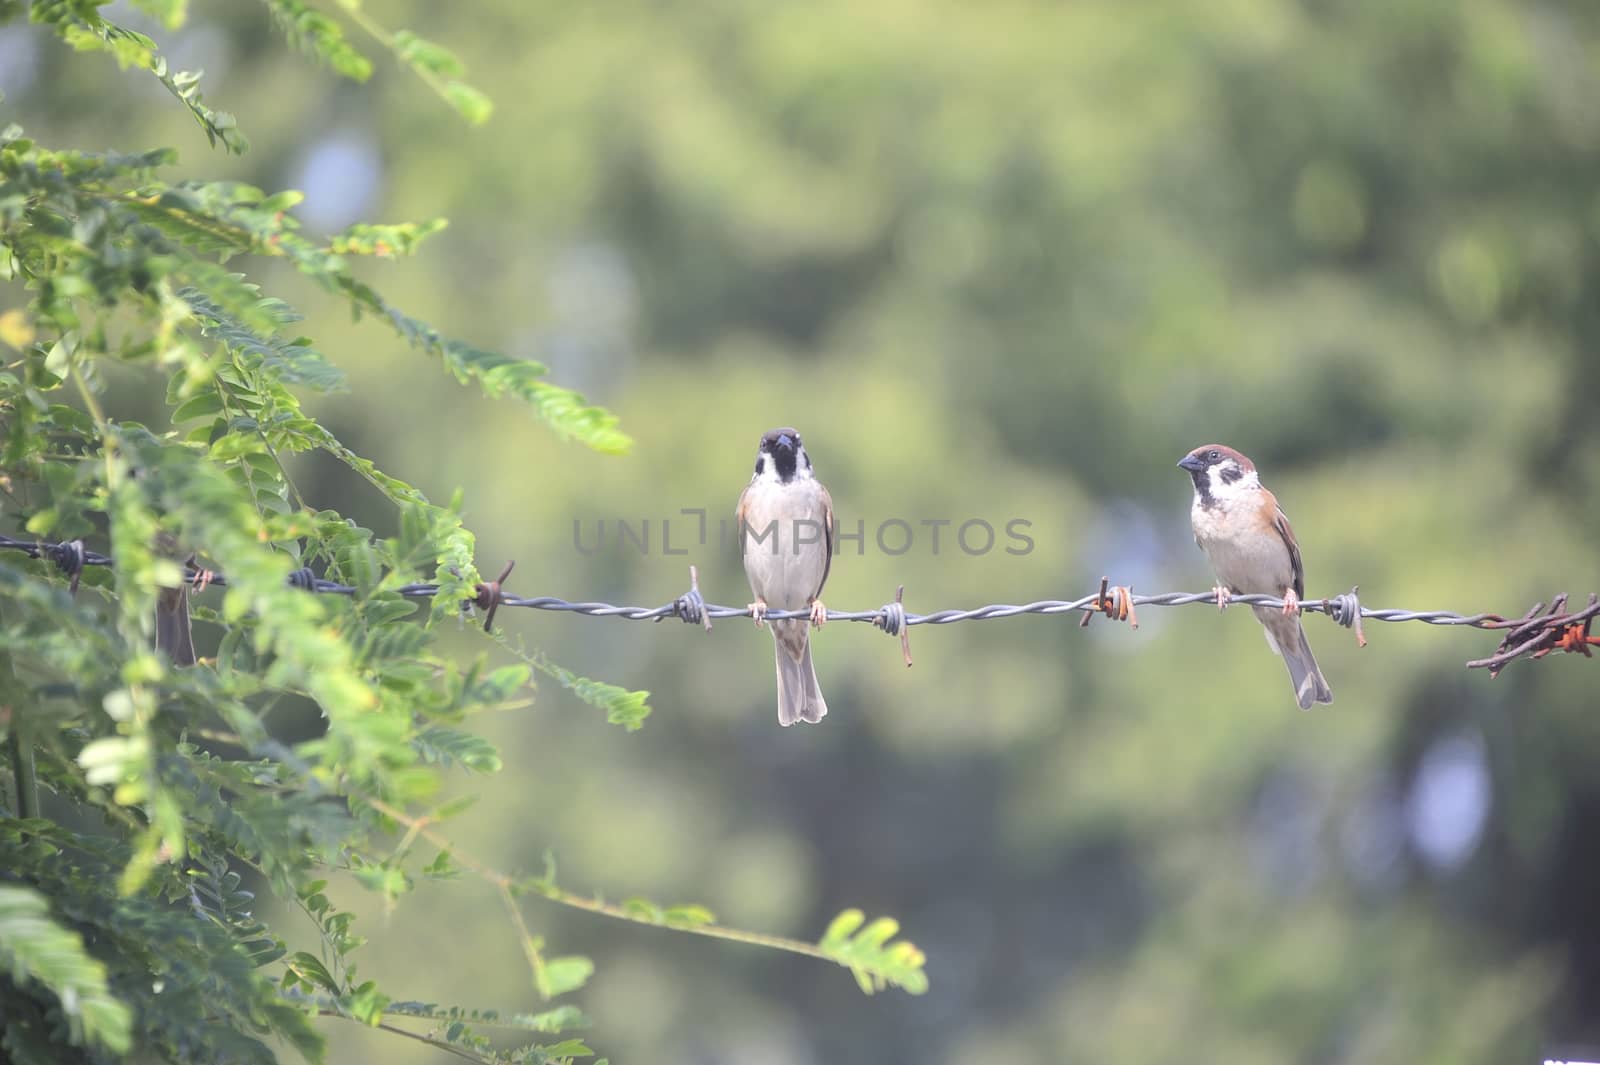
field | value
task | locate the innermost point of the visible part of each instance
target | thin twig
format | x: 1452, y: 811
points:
x: 509, y: 887
x: 19, y: 743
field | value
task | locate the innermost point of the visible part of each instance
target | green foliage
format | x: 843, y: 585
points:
x: 685, y: 916
x: 321, y: 36
x: 80, y: 25
x: 33, y: 947
x: 180, y: 961
x: 869, y: 954
x: 872, y: 953
x: 435, y: 65
x: 562, y: 975
x: 131, y: 924
x: 170, y: 13
x: 464, y: 1028
x: 623, y: 707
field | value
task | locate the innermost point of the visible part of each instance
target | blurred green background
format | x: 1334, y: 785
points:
x: 997, y: 261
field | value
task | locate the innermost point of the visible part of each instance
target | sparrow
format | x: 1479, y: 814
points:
x: 174, y: 632
x: 1252, y: 549
x: 785, y: 521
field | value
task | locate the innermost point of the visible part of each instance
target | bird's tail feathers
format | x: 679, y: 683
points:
x: 1287, y: 637
x: 174, y: 634
x: 799, y: 697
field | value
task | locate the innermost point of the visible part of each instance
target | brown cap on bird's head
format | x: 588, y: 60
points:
x: 772, y: 437
x: 1208, y: 455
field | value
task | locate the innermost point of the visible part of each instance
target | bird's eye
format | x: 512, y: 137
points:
x: 1213, y: 455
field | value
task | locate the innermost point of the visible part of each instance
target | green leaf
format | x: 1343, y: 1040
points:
x: 558, y: 976
x: 205, y: 405
x: 442, y: 868
x: 386, y: 241
x: 568, y: 1048
x: 177, y: 217
x: 248, y: 332
x: 623, y: 707
x: 469, y: 103
x: 688, y: 915
x: 386, y: 879
x: 310, y: 969
x: 425, y: 55
x: 563, y: 409
x: 552, y: 1021
x: 34, y: 947
x: 367, y: 1004
x: 841, y: 928
x: 448, y: 746
x: 500, y: 685
x: 321, y: 36
x: 868, y: 953
x: 685, y: 915
x: 170, y: 13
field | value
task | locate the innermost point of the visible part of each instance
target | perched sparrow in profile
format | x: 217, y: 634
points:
x: 786, y: 540
x: 1248, y: 541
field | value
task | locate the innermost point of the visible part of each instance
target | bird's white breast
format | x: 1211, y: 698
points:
x: 1247, y: 555
x: 786, y: 565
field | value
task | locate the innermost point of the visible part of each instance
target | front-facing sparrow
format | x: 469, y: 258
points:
x: 786, y: 539
x: 1252, y: 549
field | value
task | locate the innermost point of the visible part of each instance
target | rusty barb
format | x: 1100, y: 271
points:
x: 491, y: 594
x: 1118, y: 606
x: 1534, y: 635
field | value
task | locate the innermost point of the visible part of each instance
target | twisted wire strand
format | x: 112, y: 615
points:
x: 1532, y: 635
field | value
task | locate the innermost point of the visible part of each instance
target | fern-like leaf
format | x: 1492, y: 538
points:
x: 873, y: 955
x: 34, y: 947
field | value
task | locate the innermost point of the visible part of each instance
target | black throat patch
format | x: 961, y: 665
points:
x: 1202, y: 488
x: 783, y: 461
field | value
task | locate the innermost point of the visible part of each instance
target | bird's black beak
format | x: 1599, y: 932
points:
x: 1192, y: 463
x: 786, y: 442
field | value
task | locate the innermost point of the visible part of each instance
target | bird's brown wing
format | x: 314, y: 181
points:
x: 827, y: 537
x: 739, y: 519
x: 1281, y: 522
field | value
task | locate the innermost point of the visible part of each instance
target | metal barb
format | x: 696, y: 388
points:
x: 1535, y: 635
x: 1346, y: 610
x: 1125, y: 606
x: 491, y: 595
x: 690, y: 608
x: 893, y: 621
x: 1114, y: 601
x: 1083, y: 622
x: 70, y: 558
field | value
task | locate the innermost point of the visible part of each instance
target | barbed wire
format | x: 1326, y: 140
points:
x: 1535, y: 634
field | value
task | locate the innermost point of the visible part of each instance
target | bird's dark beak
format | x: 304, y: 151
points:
x: 1192, y: 463
x: 786, y: 442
